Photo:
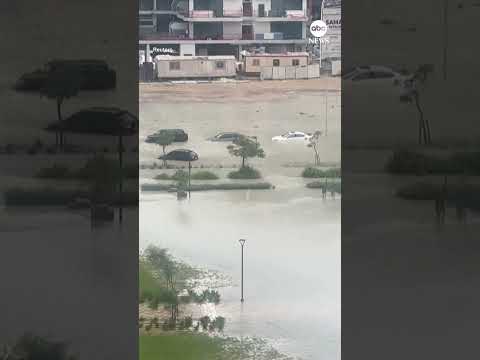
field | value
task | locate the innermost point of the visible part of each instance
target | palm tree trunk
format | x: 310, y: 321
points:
x: 59, y: 114
x: 164, y: 154
x: 243, y: 162
x: 423, y: 128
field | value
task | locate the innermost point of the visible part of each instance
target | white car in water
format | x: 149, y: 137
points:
x: 293, y: 136
x: 376, y: 72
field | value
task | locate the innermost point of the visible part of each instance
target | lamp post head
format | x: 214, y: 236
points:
x: 242, y: 241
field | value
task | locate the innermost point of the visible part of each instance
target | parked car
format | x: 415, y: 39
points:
x: 227, y: 136
x: 179, y: 135
x: 94, y: 75
x: 180, y: 155
x: 375, y: 72
x: 293, y: 136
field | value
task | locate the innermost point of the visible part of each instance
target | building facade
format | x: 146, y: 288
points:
x: 222, y: 27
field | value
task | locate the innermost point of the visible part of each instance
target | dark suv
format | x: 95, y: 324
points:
x: 179, y: 135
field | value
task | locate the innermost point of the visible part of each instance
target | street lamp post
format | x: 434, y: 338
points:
x: 242, y: 243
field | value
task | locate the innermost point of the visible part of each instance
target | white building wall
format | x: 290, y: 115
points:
x: 232, y: 30
x: 267, y: 3
x: 262, y: 27
x: 232, y: 5
x: 187, y: 49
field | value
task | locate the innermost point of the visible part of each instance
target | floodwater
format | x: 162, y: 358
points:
x: 292, y: 260
x: 292, y: 249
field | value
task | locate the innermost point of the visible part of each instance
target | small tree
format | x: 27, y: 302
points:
x: 246, y: 148
x: 62, y: 84
x: 412, y: 89
x: 164, y: 139
x: 314, y: 144
x: 35, y: 347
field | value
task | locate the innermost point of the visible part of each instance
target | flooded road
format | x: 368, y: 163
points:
x: 292, y: 260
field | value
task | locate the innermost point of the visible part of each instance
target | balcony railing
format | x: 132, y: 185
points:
x: 162, y: 36
x: 155, y: 36
x: 208, y: 14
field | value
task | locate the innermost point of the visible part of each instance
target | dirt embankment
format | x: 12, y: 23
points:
x: 238, y: 91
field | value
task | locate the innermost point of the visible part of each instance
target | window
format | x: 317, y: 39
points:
x: 146, y: 20
x: 256, y: 62
x: 220, y: 65
x: 276, y: 62
x: 382, y: 75
x: 363, y: 76
x: 295, y: 62
x: 174, y: 65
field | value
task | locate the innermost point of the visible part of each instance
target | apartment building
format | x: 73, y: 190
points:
x: 222, y: 27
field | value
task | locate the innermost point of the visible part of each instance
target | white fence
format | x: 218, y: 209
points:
x: 290, y: 72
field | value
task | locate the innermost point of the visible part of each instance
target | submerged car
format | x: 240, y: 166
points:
x: 179, y: 135
x: 227, y: 136
x: 375, y: 72
x: 93, y: 75
x: 293, y: 136
x: 98, y: 120
x: 180, y: 155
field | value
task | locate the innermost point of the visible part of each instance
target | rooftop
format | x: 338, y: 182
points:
x: 287, y: 54
x: 172, y: 57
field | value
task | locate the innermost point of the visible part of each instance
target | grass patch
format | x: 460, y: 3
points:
x: 89, y: 171
x: 415, y: 163
x: 312, y: 172
x: 179, y: 346
x: 163, y: 176
x: 60, y: 197
x: 245, y: 172
x: 181, y: 175
x: 208, y: 187
x: 204, y: 175
x: 466, y: 195
x: 192, y: 346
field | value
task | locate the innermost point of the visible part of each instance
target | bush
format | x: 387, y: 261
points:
x: 311, y: 172
x: 409, y: 162
x: 180, y: 175
x: 245, y: 172
x: 204, y: 175
x: 163, y: 176
x: 54, y: 172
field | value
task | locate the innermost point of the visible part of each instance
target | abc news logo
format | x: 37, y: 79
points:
x: 318, y: 29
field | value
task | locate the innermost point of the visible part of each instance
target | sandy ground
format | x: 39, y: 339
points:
x: 250, y: 90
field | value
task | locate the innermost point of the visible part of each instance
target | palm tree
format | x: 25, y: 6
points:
x: 412, y: 91
x: 62, y: 84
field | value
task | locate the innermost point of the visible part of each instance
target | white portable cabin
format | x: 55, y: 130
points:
x: 184, y: 67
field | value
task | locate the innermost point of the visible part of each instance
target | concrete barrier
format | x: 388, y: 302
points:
x: 301, y: 72
x: 313, y: 71
x: 278, y: 73
x: 267, y: 73
x: 290, y: 72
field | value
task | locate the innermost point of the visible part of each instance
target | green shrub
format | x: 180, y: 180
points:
x: 204, y: 175
x: 180, y: 175
x: 245, y: 172
x: 409, y: 162
x: 312, y: 172
x: 54, y: 172
x: 163, y: 176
